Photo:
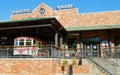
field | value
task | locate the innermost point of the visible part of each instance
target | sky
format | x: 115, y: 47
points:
x: 84, y: 6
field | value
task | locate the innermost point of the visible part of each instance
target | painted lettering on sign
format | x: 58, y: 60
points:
x: 21, y: 11
x: 64, y: 7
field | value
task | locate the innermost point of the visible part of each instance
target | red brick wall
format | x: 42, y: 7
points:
x: 71, y: 17
x: 36, y: 67
x: 82, y: 69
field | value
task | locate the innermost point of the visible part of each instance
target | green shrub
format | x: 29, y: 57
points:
x: 65, y: 62
x: 74, y: 62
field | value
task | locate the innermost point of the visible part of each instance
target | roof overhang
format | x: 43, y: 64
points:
x: 88, y: 28
x: 33, y: 22
x: 44, y: 28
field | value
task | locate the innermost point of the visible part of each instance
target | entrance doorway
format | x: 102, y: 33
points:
x: 117, y: 41
x: 72, y: 46
x: 91, y: 47
x: 117, y: 46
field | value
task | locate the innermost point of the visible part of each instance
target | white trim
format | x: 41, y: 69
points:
x: 32, y: 42
x: 24, y: 42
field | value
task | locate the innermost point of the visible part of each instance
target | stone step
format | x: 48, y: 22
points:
x: 105, y: 63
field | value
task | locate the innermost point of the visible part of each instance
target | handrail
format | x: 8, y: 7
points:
x: 47, y: 51
x: 112, y: 63
x: 99, y: 66
x: 76, y: 51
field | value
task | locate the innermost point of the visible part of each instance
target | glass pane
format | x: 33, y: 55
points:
x: 16, y: 42
x: 28, y: 40
x: 72, y: 43
x: 28, y: 43
x: 21, y: 44
x: 22, y: 40
x: 34, y: 42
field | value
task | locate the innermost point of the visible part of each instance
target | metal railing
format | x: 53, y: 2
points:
x: 30, y: 52
x: 113, y: 52
x: 54, y: 52
x: 109, y: 63
x: 100, y: 66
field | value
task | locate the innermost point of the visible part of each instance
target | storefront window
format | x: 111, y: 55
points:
x: 28, y: 42
x: 21, y: 42
x: 117, y: 41
x: 72, y: 43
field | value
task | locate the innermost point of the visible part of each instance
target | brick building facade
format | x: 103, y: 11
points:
x: 90, y: 34
x: 89, y: 31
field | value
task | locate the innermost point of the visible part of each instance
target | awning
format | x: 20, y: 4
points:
x: 87, y: 28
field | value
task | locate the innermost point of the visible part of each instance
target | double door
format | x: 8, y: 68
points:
x: 91, y: 49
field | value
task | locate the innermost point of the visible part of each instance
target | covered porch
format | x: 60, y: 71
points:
x: 94, y: 41
x: 48, y: 30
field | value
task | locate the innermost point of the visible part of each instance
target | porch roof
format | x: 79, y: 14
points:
x: 43, y: 28
x: 98, y: 27
x: 33, y: 21
x: 23, y: 20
